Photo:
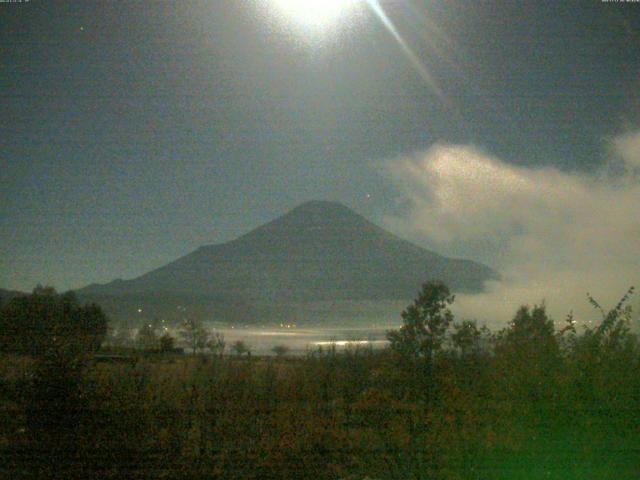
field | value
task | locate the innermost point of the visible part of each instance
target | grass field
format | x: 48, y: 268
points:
x: 358, y: 414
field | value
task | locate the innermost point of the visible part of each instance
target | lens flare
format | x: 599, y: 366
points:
x: 314, y: 12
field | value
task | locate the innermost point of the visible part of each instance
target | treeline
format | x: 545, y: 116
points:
x: 47, y: 322
x: 447, y: 400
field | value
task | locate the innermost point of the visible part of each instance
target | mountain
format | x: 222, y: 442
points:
x: 319, y: 251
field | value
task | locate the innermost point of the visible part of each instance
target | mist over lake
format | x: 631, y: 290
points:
x: 299, y: 341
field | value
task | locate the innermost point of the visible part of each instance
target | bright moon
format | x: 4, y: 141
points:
x: 314, y: 12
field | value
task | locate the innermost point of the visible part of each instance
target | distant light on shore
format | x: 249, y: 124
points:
x: 345, y: 343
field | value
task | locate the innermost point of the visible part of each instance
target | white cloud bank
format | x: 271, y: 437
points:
x: 627, y: 148
x: 553, y: 235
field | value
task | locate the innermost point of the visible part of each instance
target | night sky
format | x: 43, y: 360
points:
x: 133, y: 132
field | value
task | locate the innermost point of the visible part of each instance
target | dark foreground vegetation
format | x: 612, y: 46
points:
x: 447, y: 400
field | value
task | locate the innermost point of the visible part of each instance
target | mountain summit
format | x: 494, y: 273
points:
x: 319, y: 251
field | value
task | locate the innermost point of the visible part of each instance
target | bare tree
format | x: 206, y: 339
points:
x: 216, y: 343
x: 194, y: 334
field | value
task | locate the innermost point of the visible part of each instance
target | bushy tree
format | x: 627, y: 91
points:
x: 167, y: 342
x: 468, y: 339
x: 280, y: 350
x: 240, y: 348
x: 529, y: 360
x: 146, y: 338
x: 615, y: 326
x: 45, y: 320
x: 59, y: 333
x: 607, y: 356
x: 531, y: 333
x: 425, y: 323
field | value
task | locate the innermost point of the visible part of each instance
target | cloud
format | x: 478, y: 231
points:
x: 553, y: 235
x: 627, y: 148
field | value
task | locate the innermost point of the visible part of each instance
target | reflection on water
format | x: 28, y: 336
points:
x: 346, y: 343
x: 302, y: 340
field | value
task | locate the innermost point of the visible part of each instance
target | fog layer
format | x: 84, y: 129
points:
x: 553, y: 235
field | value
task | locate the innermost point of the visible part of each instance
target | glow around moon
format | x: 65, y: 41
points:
x: 314, y: 13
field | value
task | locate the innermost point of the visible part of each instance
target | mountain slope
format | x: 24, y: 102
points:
x: 318, y: 251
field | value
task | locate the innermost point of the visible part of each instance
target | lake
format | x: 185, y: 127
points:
x: 300, y: 340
